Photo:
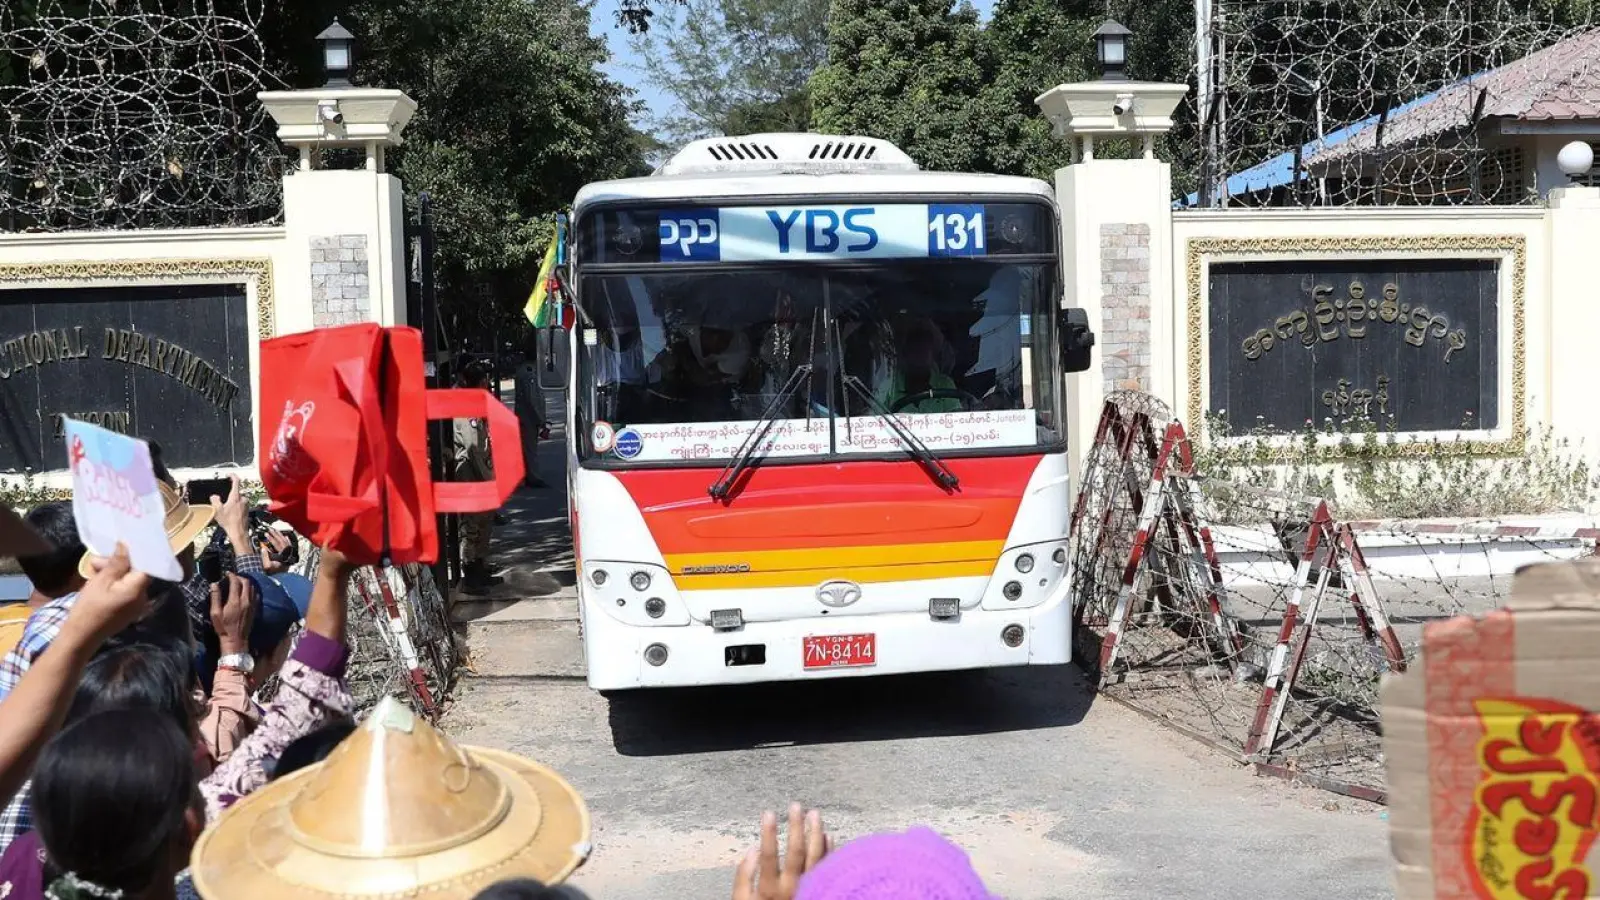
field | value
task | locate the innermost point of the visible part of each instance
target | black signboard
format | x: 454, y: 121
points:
x: 168, y: 363
x: 1410, y: 344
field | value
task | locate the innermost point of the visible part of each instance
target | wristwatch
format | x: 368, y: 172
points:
x: 244, y: 662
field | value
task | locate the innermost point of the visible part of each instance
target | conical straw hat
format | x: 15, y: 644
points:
x: 398, y: 810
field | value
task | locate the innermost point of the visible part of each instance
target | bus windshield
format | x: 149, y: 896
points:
x: 680, y: 365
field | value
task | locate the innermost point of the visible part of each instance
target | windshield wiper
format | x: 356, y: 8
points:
x: 914, y: 445
x: 746, y: 454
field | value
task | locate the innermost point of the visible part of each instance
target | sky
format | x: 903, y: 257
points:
x: 626, y: 67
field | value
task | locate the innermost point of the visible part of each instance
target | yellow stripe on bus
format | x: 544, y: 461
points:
x: 859, y: 574
x: 810, y: 558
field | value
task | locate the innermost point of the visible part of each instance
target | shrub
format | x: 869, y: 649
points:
x: 1368, y: 472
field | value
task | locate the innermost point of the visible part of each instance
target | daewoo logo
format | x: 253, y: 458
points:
x: 722, y: 569
x: 838, y: 593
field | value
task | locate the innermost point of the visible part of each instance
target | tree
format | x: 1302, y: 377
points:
x: 513, y: 117
x: 1038, y: 44
x: 737, y: 66
x: 912, y: 72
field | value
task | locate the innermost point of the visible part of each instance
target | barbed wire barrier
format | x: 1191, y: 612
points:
x: 1379, y: 101
x: 119, y: 115
x: 401, y: 642
x: 1254, y: 620
x: 1274, y: 657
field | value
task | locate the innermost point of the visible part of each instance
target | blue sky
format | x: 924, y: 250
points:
x: 625, y: 60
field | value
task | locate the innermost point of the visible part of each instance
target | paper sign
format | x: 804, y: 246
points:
x: 115, y: 499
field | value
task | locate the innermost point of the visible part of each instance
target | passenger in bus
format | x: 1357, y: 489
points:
x: 918, y: 373
x: 706, y: 369
x: 619, y: 372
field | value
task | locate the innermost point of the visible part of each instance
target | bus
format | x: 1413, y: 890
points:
x: 815, y: 416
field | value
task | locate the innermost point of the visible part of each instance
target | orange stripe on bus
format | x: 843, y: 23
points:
x: 841, y: 557
x: 978, y: 568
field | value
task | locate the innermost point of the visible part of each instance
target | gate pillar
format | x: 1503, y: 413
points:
x: 343, y: 213
x: 1116, y: 239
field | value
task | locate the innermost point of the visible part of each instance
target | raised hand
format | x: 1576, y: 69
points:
x: 759, y: 876
x: 277, y: 542
x: 233, y: 610
x: 110, y: 601
x: 232, y: 515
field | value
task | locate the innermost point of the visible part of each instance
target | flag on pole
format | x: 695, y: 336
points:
x: 538, y: 309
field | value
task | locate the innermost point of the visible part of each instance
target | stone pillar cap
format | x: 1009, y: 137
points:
x: 339, y: 117
x: 1091, y: 107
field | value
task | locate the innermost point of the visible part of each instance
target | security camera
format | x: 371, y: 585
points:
x: 1123, y: 105
x: 329, y: 112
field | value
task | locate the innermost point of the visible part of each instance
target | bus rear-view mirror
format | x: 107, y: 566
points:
x: 554, y: 362
x: 1077, y: 340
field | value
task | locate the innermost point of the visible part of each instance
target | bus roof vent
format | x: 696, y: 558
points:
x: 788, y: 154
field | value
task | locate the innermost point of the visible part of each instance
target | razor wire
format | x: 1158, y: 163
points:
x: 1252, y: 620
x: 135, y: 115
x: 1377, y: 101
x: 399, y: 634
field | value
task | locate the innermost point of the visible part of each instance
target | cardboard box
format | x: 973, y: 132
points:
x: 1492, y: 747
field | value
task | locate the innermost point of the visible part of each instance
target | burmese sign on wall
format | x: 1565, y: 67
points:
x: 1411, y: 344
x: 166, y: 363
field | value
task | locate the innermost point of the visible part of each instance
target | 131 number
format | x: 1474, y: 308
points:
x: 955, y: 232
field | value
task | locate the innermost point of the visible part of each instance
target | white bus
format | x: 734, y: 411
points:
x: 815, y: 416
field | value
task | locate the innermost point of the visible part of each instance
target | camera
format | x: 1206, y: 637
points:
x: 1122, y: 106
x: 329, y: 112
x: 217, y: 557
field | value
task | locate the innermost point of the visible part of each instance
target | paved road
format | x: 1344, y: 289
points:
x: 1056, y: 794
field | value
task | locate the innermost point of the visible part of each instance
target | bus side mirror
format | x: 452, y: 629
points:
x: 1077, y: 341
x: 555, y: 358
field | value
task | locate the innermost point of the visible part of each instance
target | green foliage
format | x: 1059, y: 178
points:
x: 1038, y: 44
x: 1369, y: 477
x: 737, y: 66
x: 513, y: 117
x: 956, y: 95
x: 27, y: 492
x: 912, y: 72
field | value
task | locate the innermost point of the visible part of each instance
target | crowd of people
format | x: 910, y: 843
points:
x: 141, y: 759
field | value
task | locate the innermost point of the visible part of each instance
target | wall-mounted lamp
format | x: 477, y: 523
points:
x: 1111, y: 50
x: 338, y: 54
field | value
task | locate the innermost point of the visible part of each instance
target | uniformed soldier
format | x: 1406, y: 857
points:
x: 475, y: 463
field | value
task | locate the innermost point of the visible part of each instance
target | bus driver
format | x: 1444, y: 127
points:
x: 921, y: 346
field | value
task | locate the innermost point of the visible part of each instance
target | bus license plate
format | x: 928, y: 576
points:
x: 836, y: 651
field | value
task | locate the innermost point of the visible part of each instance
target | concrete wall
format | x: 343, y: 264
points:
x: 1141, y: 271
x: 339, y: 258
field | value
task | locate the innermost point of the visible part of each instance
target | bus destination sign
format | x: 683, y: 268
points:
x: 822, y: 233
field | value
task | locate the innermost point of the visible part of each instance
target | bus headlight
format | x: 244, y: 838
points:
x: 598, y: 576
x: 655, y: 607
x: 640, y: 580
x: 1025, y: 563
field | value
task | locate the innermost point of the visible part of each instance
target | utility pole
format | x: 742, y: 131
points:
x: 1205, y: 101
